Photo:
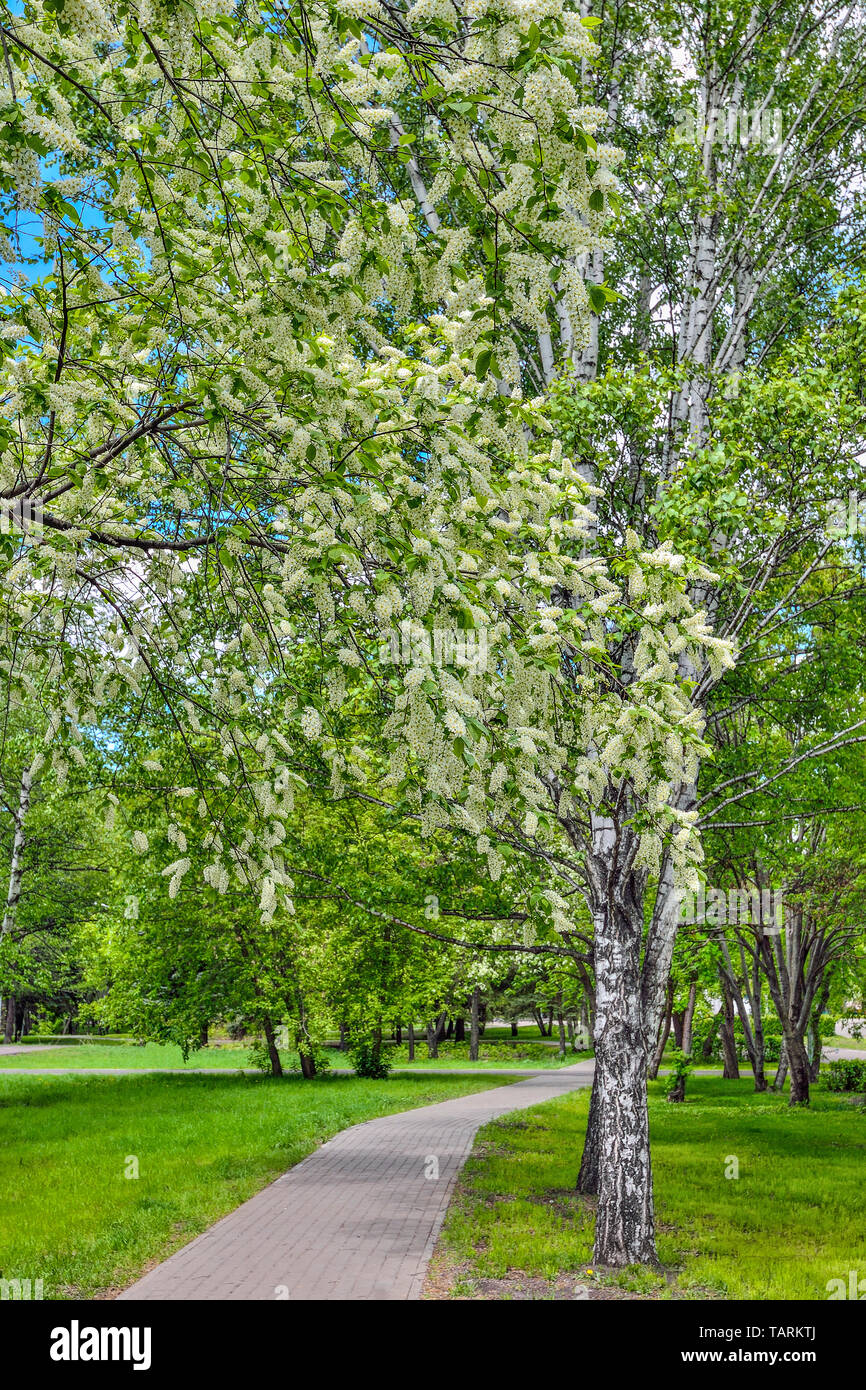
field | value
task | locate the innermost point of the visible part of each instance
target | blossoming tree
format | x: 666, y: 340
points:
x: 291, y: 283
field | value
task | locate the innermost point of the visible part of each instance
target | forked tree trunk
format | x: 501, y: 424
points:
x: 798, y: 1064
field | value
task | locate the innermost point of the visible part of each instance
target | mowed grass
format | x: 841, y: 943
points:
x: 130, y: 1056
x: 791, y: 1221
x: 203, y: 1144
x: 530, y: 1055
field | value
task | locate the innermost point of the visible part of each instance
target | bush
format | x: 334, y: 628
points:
x: 369, y: 1060
x: 675, y: 1081
x: 846, y: 1076
x: 499, y: 1051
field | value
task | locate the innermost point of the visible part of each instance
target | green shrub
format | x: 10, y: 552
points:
x: 675, y: 1081
x: 370, y: 1060
x: 498, y: 1051
x: 846, y: 1076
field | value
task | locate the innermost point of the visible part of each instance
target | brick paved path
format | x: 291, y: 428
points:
x: 358, y: 1218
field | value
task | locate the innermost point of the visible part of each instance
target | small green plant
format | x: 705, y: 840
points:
x: 846, y: 1076
x: 259, y: 1056
x: 675, y: 1082
x: 321, y: 1060
x: 370, y: 1060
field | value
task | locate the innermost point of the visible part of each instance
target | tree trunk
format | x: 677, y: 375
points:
x: 343, y: 1044
x: 662, y: 1043
x: 16, y: 863
x: 459, y: 1029
x: 474, y: 1020
x: 678, y: 1019
x: 539, y: 1021
x: 709, y: 1043
x: 782, y: 1069
x: 411, y: 1034
x: 441, y: 1025
x: 9, y: 1022
x: 203, y: 1036
x: 273, y: 1052
x: 731, y: 1071
x: 305, y: 1053
x: 677, y: 1093
x: 449, y: 1031
x: 587, y: 1178
x: 398, y: 1035
x: 688, y: 1020
x: 515, y: 1032
x: 798, y: 1064
x: 560, y: 1023
x: 625, y: 1225
x: 432, y: 1040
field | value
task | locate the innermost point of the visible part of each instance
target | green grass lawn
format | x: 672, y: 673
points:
x: 121, y: 1055
x: 204, y: 1144
x: 531, y: 1054
x: 791, y: 1221
x: 859, y: 1044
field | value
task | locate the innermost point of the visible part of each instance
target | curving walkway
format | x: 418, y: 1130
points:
x: 358, y: 1218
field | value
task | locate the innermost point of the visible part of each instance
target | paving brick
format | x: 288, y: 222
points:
x: 357, y: 1219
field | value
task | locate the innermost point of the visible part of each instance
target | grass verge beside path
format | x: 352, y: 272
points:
x: 791, y: 1220
x: 70, y: 1216
x: 531, y: 1055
